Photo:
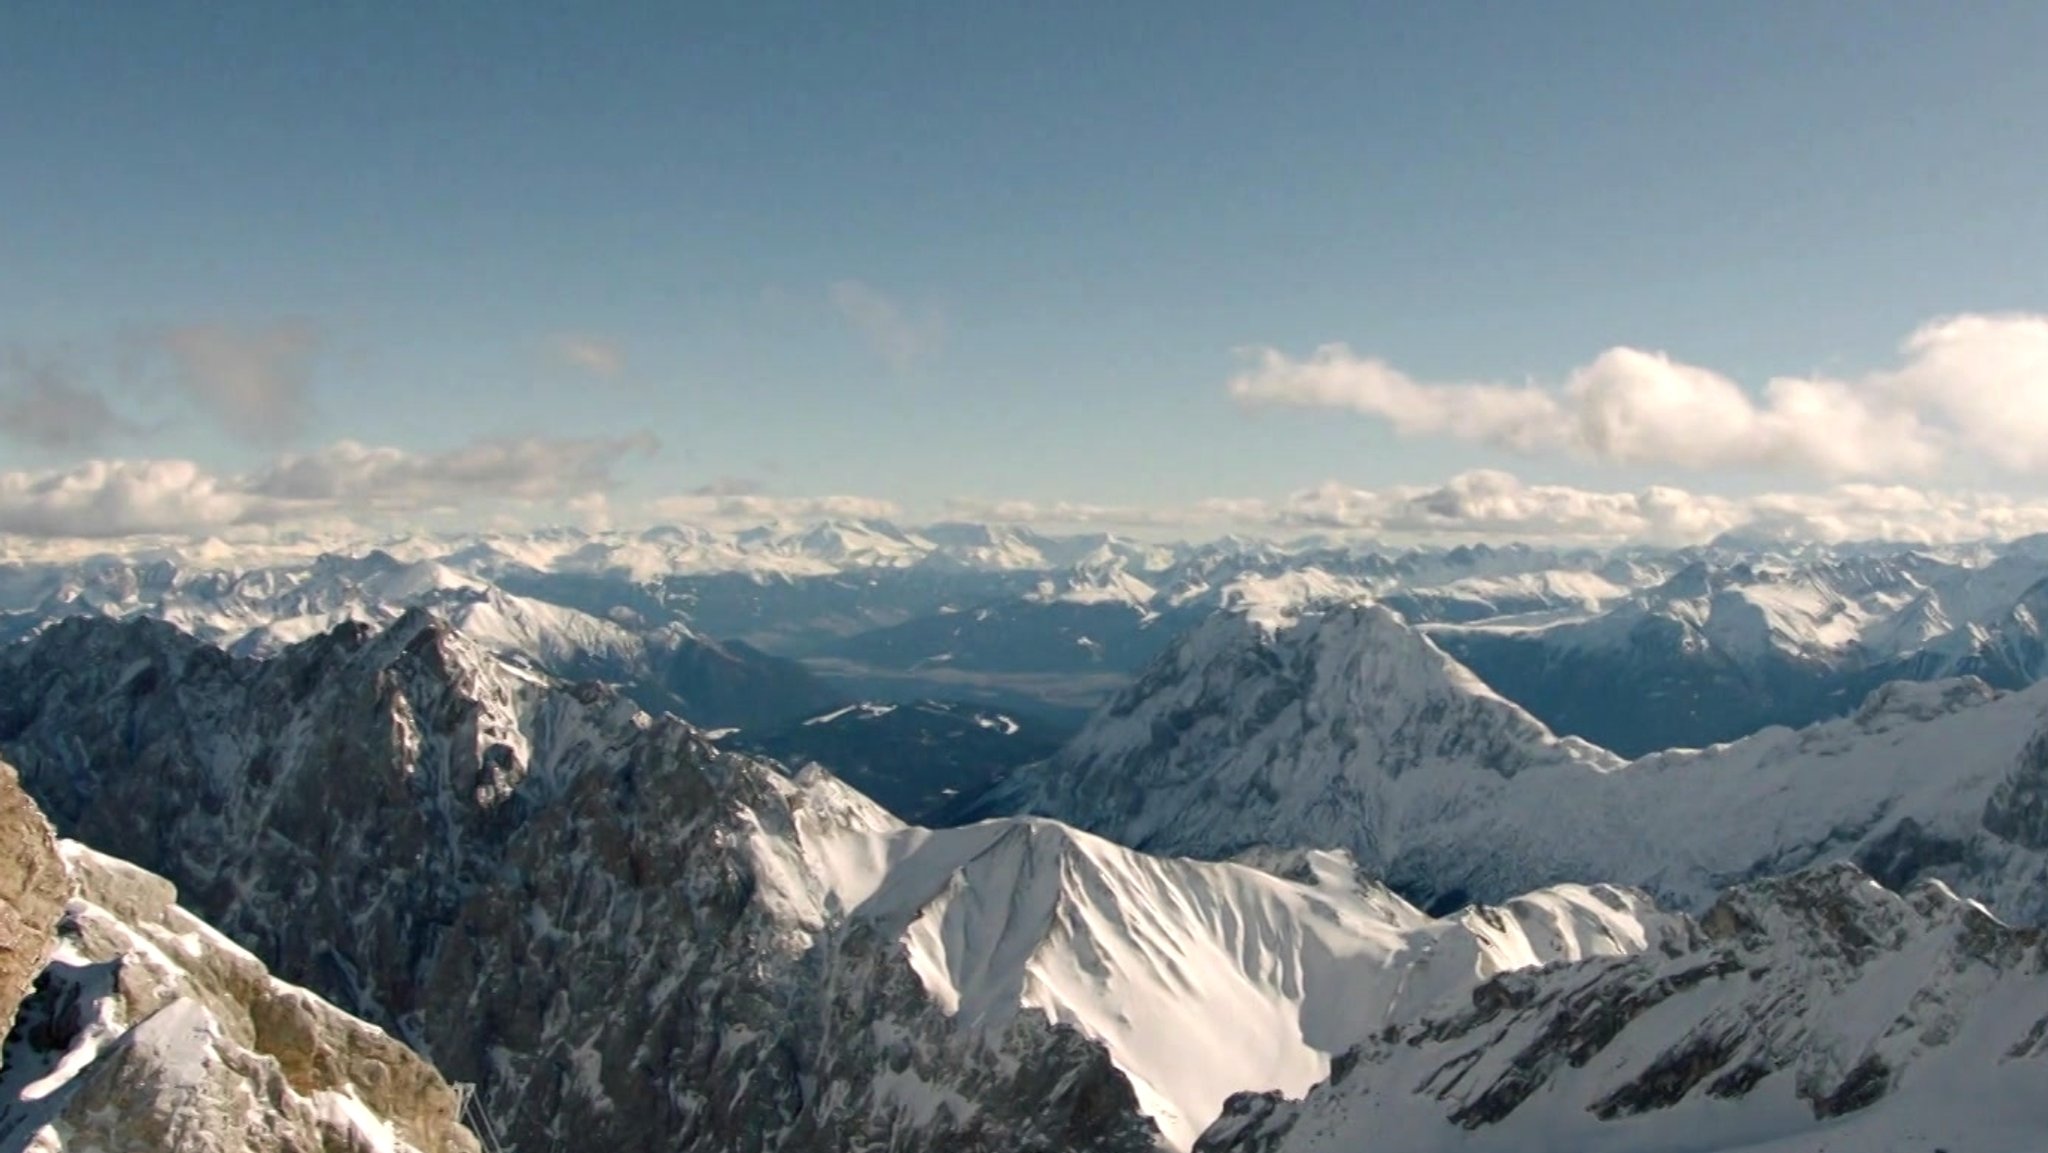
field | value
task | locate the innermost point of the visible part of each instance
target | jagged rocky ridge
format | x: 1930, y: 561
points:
x: 1815, y: 1011
x: 148, y: 1030
x: 596, y: 916
x: 1342, y: 727
x: 635, y: 940
x: 625, y: 637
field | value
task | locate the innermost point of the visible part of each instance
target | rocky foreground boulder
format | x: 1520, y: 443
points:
x: 146, y: 1029
x: 32, y: 891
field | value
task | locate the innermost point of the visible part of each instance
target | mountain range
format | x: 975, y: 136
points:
x: 1636, y: 651
x: 1304, y: 880
x: 1341, y: 727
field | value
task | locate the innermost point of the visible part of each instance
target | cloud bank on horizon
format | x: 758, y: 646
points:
x: 1896, y: 454
x: 350, y: 491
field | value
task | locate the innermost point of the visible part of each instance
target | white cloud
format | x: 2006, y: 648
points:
x: 1969, y: 389
x: 1525, y: 418
x: 1495, y: 506
x: 352, y: 491
x: 344, y: 483
x: 101, y: 499
x: 586, y: 353
x: 902, y: 336
x: 1984, y: 377
x: 254, y: 380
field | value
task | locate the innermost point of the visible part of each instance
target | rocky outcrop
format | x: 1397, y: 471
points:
x: 148, y: 1030
x: 32, y: 892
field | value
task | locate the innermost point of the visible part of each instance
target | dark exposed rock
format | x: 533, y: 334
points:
x: 1864, y: 1086
x: 1671, y: 1076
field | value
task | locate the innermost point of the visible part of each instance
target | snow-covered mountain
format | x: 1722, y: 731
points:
x: 634, y: 939
x: 1342, y: 727
x: 625, y: 934
x: 1813, y: 1012
x: 1723, y: 648
x: 148, y: 1030
x: 661, y: 662
x: 1637, y: 650
x: 609, y: 924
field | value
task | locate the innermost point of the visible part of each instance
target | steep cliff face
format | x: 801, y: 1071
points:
x: 32, y: 892
x: 148, y: 1030
x: 1819, y: 1010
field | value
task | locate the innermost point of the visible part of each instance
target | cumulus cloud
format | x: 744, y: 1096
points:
x: 43, y: 406
x: 254, y: 379
x: 1972, y: 388
x: 1496, y: 506
x: 101, y: 499
x: 902, y: 336
x: 352, y: 488
x: 586, y: 353
x: 1986, y: 379
x: 344, y: 482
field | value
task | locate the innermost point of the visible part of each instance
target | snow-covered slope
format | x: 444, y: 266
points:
x: 1813, y: 1012
x: 1338, y: 728
x: 1199, y: 978
x: 603, y: 920
x: 531, y: 880
x: 1344, y: 728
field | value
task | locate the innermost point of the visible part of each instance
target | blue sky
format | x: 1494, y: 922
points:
x: 935, y: 252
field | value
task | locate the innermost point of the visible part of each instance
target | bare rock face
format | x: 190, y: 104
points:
x: 32, y: 892
x: 148, y: 1030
